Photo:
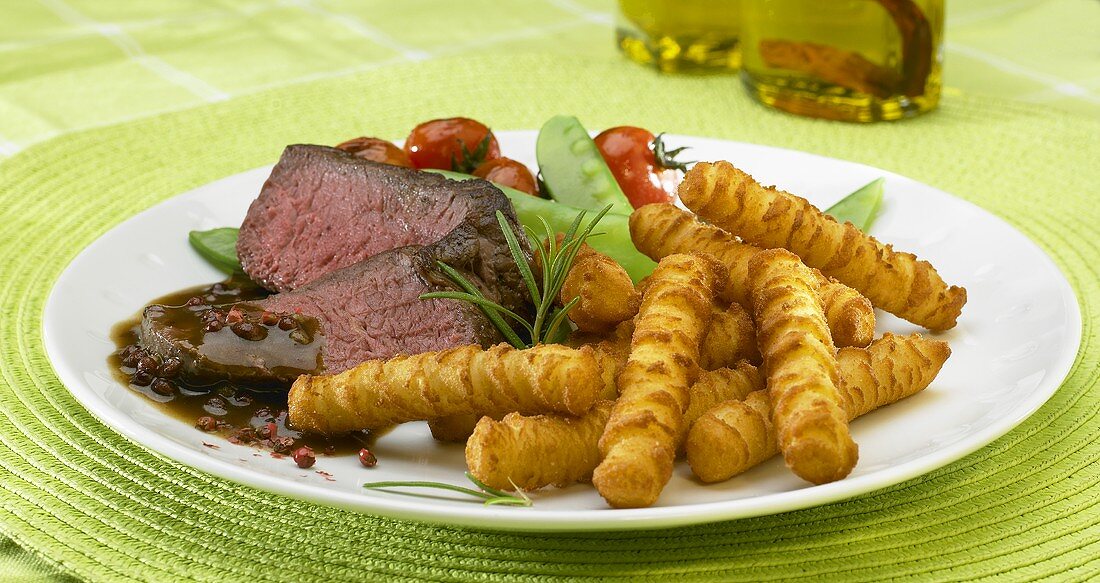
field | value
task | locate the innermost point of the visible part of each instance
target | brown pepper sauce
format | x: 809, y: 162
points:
x: 241, y: 414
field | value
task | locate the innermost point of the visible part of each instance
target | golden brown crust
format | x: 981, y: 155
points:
x: 729, y: 339
x: 851, y: 316
x: 732, y: 437
x: 659, y: 230
x: 724, y: 384
x: 891, y: 369
x: 605, y: 292
x: 559, y: 450
x: 799, y: 357
x: 894, y: 281
x: 545, y: 379
x: 729, y: 436
x: 610, y: 350
x: 639, y: 443
x: 533, y: 452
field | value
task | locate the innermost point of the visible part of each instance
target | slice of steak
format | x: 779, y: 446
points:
x: 366, y: 311
x: 323, y: 209
x: 373, y: 309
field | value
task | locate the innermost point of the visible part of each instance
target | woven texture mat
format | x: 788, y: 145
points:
x: 106, y: 509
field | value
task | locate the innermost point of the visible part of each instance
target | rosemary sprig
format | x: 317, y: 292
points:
x: 473, y: 295
x: 491, y: 496
x: 555, y: 261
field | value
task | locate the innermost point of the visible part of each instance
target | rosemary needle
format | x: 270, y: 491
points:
x: 490, y: 496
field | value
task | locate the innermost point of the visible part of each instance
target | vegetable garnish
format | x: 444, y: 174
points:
x: 468, y: 161
x: 555, y: 261
x: 861, y: 207
x: 573, y: 170
x: 490, y: 495
x: 456, y: 142
x: 219, y: 247
x: 641, y: 164
x: 615, y: 241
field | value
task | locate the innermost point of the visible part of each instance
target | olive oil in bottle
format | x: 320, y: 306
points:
x: 693, y: 36
x: 852, y: 60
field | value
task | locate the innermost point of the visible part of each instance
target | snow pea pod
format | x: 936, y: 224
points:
x: 861, y: 207
x: 219, y: 247
x: 573, y: 170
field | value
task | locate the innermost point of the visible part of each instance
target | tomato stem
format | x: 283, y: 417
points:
x: 666, y: 158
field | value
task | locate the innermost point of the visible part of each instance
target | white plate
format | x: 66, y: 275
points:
x: 1014, y: 344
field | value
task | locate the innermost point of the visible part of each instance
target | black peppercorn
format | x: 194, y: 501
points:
x: 149, y: 364
x: 287, y: 323
x: 206, y: 423
x: 162, y: 387
x: 249, y: 331
x: 171, y: 367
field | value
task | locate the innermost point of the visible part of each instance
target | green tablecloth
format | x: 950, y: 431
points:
x: 67, y: 65
x: 89, y: 503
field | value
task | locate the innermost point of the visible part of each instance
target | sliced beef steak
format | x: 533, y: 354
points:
x: 372, y: 310
x: 368, y: 310
x: 323, y: 209
x: 351, y: 245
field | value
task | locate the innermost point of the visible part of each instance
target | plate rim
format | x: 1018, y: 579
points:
x: 521, y: 519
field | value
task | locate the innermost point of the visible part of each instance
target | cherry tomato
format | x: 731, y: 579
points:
x: 510, y: 173
x: 458, y: 143
x: 644, y: 177
x: 377, y: 150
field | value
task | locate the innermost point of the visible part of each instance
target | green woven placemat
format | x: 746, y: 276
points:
x: 106, y: 509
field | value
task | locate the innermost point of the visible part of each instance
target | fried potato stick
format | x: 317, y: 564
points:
x: 717, y: 386
x: 532, y: 452
x: 611, y: 353
x: 730, y: 338
x: 765, y: 216
x: 800, y: 361
x: 734, y: 436
x: 609, y: 350
x: 548, y: 378
x: 639, y: 442
x: 659, y: 230
x: 605, y: 292
x: 544, y: 450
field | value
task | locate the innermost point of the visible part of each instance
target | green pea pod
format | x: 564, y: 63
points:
x: 219, y: 247
x: 861, y: 207
x: 613, y: 241
x: 573, y: 170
